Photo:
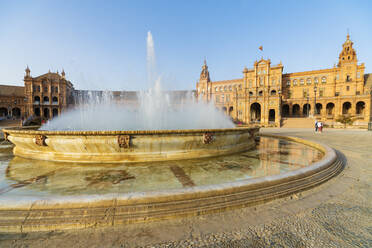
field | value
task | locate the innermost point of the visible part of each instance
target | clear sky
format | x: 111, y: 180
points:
x: 102, y: 44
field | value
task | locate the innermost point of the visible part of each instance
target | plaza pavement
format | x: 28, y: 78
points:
x: 337, y: 213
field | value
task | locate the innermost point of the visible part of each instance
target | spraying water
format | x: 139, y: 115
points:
x: 154, y: 109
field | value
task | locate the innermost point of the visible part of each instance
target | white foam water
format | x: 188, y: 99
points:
x: 154, y: 109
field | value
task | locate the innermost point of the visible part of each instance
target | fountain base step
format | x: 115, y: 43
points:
x: 115, y: 209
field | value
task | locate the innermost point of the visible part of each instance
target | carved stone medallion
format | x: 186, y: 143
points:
x: 40, y: 140
x: 207, y: 138
x: 124, y: 141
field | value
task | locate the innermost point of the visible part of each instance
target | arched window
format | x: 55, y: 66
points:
x: 260, y: 93
x: 324, y: 80
x: 273, y: 92
x: 250, y: 93
x: 221, y: 89
x: 295, y: 82
x: 289, y: 83
x: 301, y: 82
x: 46, y: 100
x: 37, y: 99
x: 308, y: 81
x: 316, y: 80
x: 55, y: 100
x: 215, y: 89
x: 225, y: 88
x: 230, y: 88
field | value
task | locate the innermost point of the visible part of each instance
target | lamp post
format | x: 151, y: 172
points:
x: 307, y: 107
x: 280, y: 107
x: 315, y: 89
x: 370, y: 118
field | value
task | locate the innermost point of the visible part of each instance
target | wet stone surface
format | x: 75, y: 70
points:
x: 33, y: 178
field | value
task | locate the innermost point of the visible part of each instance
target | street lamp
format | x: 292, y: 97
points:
x: 315, y: 89
x: 280, y: 106
x: 307, y: 106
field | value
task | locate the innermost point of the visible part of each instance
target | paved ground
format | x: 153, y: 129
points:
x: 335, y: 214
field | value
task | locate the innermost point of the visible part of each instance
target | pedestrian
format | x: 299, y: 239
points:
x: 316, y: 125
x: 320, y: 125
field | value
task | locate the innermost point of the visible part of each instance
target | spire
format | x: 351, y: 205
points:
x: 348, y: 35
x: 63, y: 73
x: 27, y: 71
x: 204, y: 75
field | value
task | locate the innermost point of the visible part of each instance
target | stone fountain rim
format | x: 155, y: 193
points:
x: 29, y: 214
x: 329, y: 158
x: 21, y: 130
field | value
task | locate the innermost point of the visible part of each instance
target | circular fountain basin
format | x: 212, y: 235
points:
x: 45, y: 195
x: 129, y: 146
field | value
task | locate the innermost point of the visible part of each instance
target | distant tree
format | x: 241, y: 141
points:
x: 345, y: 119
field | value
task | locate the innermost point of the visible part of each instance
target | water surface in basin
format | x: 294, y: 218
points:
x: 33, y: 178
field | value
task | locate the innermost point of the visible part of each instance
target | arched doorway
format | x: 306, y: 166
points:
x: 55, y: 112
x: 306, y: 109
x: 231, y: 109
x: 346, y: 107
x: 46, y: 100
x: 16, y: 112
x: 296, y: 110
x: 37, y: 112
x: 285, y: 110
x: 360, y: 108
x: 255, y: 112
x: 329, y: 108
x: 3, y: 112
x: 318, y: 108
x: 271, y: 115
x: 46, y: 113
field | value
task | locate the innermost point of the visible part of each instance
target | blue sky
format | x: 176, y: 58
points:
x: 102, y: 44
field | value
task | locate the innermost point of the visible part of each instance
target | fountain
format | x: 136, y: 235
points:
x: 161, y: 161
x: 155, y: 130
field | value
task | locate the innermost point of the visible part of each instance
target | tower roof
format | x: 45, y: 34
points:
x: 348, y: 53
x: 204, y: 75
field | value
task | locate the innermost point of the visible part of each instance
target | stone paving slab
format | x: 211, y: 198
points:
x: 337, y: 213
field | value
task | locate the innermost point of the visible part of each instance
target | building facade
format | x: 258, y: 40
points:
x: 45, y: 96
x: 265, y: 95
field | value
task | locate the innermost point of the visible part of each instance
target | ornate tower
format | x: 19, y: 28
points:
x: 204, y: 75
x: 204, y: 87
x: 348, y: 54
x: 27, y: 72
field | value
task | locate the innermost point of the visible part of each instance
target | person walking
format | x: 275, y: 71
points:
x: 320, y: 126
x: 316, y: 125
